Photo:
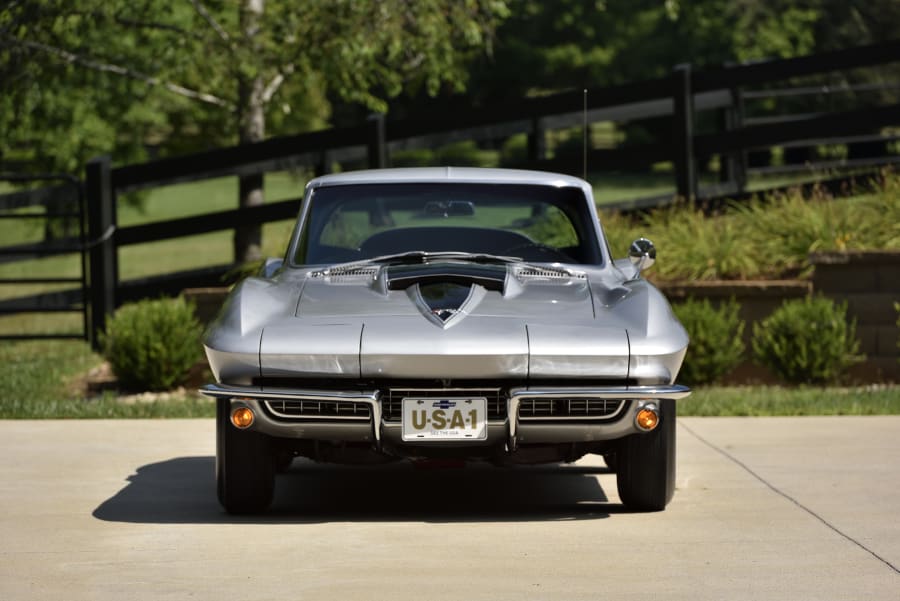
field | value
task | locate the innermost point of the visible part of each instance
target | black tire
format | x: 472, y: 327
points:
x: 245, y: 466
x: 610, y: 460
x: 645, y: 472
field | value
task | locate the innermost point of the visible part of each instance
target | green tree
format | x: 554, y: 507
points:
x: 564, y: 44
x: 94, y: 76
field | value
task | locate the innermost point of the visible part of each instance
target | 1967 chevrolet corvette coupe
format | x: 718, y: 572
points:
x: 447, y: 313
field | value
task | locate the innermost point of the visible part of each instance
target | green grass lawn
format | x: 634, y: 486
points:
x: 37, y: 382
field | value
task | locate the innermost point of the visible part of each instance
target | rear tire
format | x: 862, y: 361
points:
x: 646, y: 464
x: 245, y: 465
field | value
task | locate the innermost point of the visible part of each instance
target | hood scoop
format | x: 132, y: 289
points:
x: 444, y: 299
x: 446, y: 292
x: 490, y: 277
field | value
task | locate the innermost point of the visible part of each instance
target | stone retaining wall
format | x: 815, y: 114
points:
x: 869, y: 282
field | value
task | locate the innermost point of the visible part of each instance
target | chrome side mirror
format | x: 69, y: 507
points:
x: 642, y: 254
x: 271, y: 265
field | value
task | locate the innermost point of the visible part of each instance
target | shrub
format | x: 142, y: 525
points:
x: 514, y: 151
x: 786, y: 228
x: 466, y: 154
x: 716, y: 339
x: 807, y: 341
x: 421, y: 157
x: 699, y: 247
x: 152, y: 344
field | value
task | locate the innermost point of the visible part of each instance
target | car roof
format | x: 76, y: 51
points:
x: 452, y: 174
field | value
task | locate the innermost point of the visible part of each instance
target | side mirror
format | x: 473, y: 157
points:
x: 269, y: 268
x: 642, y: 254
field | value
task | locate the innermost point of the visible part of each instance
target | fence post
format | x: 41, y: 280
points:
x: 735, y: 163
x: 377, y: 144
x: 537, y: 140
x: 683, y: 136
x: 323, y: 164
x: 101, y: 217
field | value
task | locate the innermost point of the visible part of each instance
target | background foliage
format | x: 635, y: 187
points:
x: 808, y: 341
x: 768, y: 238
x: 716, y: 335
x: 90, y: 77
x: 151, y: 344
x: 148, y: 77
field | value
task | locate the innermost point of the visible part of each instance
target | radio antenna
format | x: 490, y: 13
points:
x: 584, y: 130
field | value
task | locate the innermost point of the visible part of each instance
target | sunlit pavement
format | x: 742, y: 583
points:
x: 767, y: 508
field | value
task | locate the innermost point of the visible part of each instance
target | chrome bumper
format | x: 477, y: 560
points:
x: 513, y: 429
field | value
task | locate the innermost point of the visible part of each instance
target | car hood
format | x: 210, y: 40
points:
x: 447, y: 320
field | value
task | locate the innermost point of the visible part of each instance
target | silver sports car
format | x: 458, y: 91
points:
x: 447, y: 313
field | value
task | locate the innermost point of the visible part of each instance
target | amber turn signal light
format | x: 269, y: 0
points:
x: 647, y: 418
x: 242, y: 418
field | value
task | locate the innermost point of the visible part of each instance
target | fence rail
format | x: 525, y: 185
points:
x: 679, y: 99
x: 61, y: 201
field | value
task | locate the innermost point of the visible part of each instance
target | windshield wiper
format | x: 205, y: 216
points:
x: 418, y: 256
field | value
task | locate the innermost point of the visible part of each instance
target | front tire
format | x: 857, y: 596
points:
x: 646, y: 464
x: 245, y: 465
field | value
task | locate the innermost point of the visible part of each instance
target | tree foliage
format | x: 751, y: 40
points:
x: 564, y: 44
x: 81, y: 78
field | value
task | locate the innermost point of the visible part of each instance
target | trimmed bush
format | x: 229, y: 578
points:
x: 419, y: 157
x: 716, y: 345
x: 466, y: 154
x: 152, y: 344
x: 807, y: 341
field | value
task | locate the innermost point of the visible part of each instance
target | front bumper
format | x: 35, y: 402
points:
x: 361, y: 417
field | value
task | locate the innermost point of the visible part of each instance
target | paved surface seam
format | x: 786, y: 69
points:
x: 783, y: 494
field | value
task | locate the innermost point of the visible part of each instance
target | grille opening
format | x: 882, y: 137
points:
x: 544, y: 408
x: 300, y: 409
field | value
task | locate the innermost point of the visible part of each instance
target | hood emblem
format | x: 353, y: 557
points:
x: 444, y: 314
x: 445, y: 302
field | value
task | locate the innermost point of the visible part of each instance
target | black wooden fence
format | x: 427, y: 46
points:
x: 63, y: 202
x: 680, y: 98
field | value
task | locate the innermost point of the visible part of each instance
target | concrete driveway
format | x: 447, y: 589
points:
x: 771, y: 508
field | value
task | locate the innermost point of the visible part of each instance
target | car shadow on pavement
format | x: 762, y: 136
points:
x: 183, y: 490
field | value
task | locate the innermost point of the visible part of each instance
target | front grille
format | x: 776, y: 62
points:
x: 313, y: 409
x: 392, y: 400
x: 544, y: 408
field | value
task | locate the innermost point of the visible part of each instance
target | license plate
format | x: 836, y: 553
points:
x: 445, y: 419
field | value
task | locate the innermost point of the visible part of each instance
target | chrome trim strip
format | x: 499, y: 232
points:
x: 676, y: 391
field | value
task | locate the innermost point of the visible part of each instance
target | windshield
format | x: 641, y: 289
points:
x: 358, y: 222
